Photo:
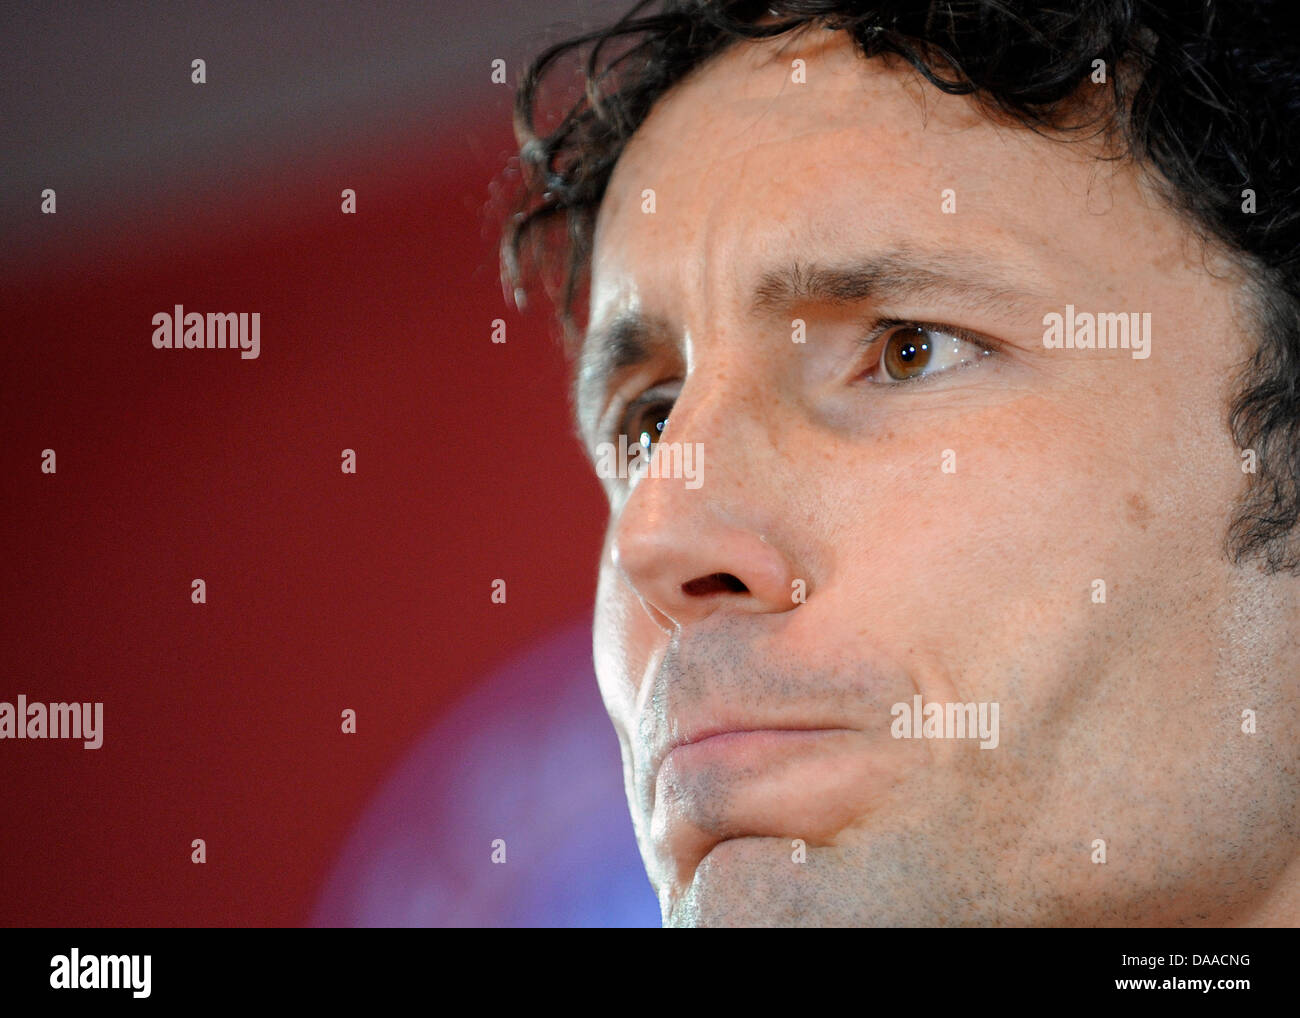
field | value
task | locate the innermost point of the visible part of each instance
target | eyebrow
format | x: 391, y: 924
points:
x: 897, y: 275
x: 890, y: 276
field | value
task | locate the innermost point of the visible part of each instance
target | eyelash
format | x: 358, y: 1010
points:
x: 872, y: 342
x: 648, y: 400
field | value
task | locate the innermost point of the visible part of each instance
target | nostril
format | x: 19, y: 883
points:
x: 717, y: 583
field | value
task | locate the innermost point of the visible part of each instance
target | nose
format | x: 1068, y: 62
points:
x: 690, y: 549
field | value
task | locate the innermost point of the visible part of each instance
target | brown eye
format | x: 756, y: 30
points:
x: 646, y: 423
x: 907, y: 353
x: 910, y: 353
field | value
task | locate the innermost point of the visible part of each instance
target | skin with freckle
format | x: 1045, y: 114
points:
x: 1120, y: 719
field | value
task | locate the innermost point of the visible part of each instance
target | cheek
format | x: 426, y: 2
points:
x: 995, y: 560
x: 623, y: 645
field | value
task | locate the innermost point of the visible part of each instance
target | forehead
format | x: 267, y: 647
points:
x: 747, y: 165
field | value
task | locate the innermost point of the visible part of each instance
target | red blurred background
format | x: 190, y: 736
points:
x: 325, y: 590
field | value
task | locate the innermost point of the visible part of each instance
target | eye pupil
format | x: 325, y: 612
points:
x: 651, y: 435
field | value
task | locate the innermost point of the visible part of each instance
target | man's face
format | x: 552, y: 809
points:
x: 883, y: 512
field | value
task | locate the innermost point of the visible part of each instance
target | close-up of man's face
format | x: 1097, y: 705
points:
x: 908, y: 534
x: 833, y: 293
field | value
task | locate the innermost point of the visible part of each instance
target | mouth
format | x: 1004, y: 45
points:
x: 730, y: 783
x: 740, y: 746
x: 745, y: 743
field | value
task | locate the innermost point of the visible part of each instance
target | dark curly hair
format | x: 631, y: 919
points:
x: 1203, y: 92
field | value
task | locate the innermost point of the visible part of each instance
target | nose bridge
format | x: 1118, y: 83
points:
x: 723, y: 366
x: 716, y: 427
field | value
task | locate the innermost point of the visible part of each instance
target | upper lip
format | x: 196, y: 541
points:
x: 689, y: 735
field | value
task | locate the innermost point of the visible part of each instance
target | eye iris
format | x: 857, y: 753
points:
x: 907, y: 353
